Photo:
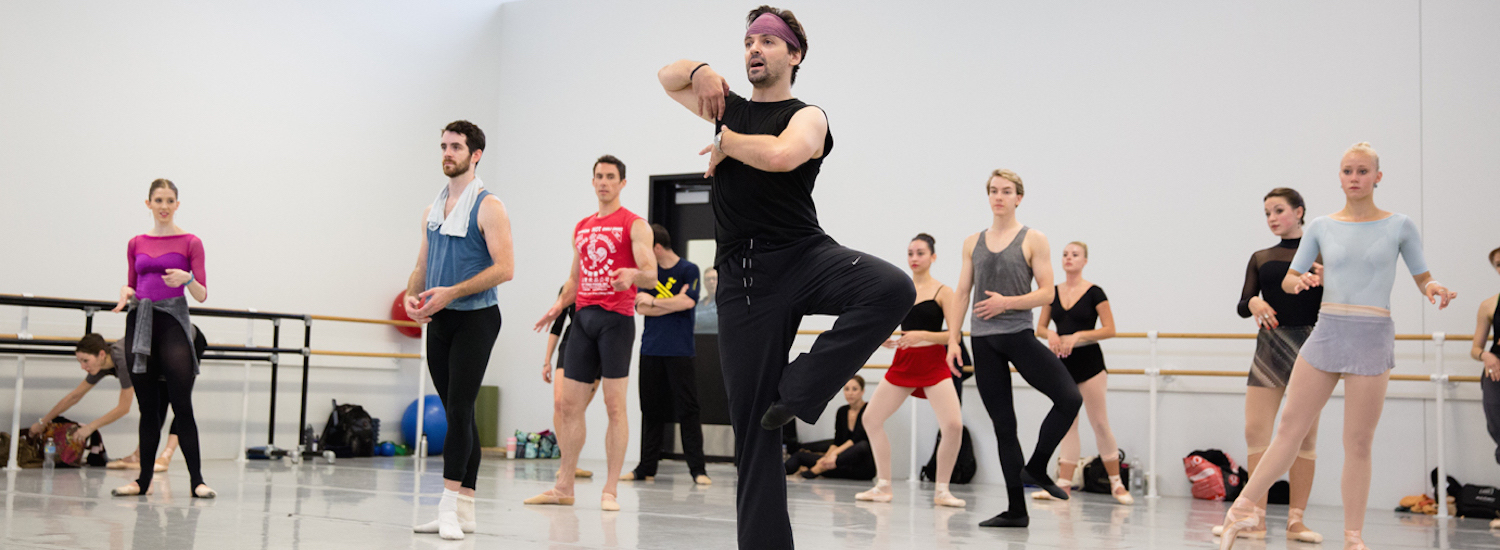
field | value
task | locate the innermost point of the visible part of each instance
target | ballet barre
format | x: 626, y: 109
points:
x: 1441, y: 381
x: 23, y: 344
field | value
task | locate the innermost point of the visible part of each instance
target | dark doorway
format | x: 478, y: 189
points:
x: 681, y: 203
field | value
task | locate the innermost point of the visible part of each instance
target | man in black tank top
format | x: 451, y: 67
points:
x: 776, y: 265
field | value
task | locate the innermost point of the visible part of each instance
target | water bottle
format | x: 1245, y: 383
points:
x: 49, y: 458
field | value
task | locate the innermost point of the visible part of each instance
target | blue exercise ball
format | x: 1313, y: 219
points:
x: 434, y: 424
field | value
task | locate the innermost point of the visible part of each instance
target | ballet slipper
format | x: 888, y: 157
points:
x: 702, y: 479
x: 630, y: 476
x: 1007, y: 519
x: 1298, y: 531
x: 162, y: 463
x: 1238, y: 519
x: 130, y: 490
x: 608, y: 503
x: 1352, y: 541
x: 203, y: 491
x: 1495, y: 524
x: 550, y: 497
x: 880, y: 493
x: 580, y: 472
x: 1064, y: 484
x: 122, y: 464
x: 944, y: 498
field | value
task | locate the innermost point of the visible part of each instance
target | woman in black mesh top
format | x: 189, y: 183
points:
x: 1285, y: 321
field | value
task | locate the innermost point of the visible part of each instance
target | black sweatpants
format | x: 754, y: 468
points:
x: 763, y: 295
x: 168, y: 380
x: 669, y: 393
x: 1041, y: 368
x: 458, y: 351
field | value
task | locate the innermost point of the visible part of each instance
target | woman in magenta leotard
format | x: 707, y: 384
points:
x: 165, y: 264
x: 920, y: 368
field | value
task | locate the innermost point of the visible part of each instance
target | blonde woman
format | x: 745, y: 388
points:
x: 1077, y: 308
x: 1353, y: 340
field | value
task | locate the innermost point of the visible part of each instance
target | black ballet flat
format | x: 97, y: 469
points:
x: 1005, y: 519
x: 776, y: 416
x: 809, y: 475
x: 1044, y: 483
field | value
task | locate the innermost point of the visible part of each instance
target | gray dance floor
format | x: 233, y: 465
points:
x: 370, y: 504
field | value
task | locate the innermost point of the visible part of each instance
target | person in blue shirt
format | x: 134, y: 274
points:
x: 1354, y: 338
x: 669, y: 386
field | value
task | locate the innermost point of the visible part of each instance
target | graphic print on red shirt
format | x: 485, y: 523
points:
x: 603, y: 245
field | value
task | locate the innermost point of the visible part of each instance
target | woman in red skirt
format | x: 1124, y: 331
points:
x: 920, y: 369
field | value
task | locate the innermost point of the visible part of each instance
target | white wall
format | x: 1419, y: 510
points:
x: 303, y: 138
x: 1150, y: 131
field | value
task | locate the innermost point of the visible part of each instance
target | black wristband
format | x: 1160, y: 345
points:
x: 695, y: 71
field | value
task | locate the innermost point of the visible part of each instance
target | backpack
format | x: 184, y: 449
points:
x: 1214, y: 475
x: 350, y: 431
x: 963, y: 467
x: 1096, y: 478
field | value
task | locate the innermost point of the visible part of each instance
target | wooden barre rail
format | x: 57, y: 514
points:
x: 390, y: 322
x: 313, y: 352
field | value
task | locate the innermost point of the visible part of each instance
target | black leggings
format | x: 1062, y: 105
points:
x: 1044, y: 371
x: 857, y: 462
x: 168, y: 380
x: 458, y: 351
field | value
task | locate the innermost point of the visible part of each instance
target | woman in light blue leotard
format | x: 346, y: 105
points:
x: 1353, y: 339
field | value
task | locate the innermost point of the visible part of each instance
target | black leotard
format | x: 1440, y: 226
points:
x: 1263, y: 277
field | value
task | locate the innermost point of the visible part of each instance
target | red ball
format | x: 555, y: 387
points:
x: 398, y: 313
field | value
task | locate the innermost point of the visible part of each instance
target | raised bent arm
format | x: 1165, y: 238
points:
x: 801, y: 141
x: 494, y: 223
x: 701, y: 92
x: 1041, y: 270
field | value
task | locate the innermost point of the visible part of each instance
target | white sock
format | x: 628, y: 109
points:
x: 448, y: 527
x: 466, y: 519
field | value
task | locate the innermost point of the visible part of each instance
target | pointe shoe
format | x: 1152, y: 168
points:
x: 130, y: 490
x: 630, y: 476
x: 1495, y: 524
x: 1237, y: 520
x: 1352, y: 541
x: 1257, y: 534
x: 550, y: 497
x: 162, y: 464
x: 1122, y: 495
x: 702, y: 479
x: 580, y: 472
x: 608, y: 503
x: 945, y: 498
x: 1065, y: 485
x: 203, y: 491
x: 1298, y: 531
x: 880, y: 493
x: 122, y: 464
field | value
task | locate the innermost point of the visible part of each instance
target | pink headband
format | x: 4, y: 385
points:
x: 769, y: 23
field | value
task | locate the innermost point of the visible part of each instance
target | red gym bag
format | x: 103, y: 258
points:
x: 1214, y: 475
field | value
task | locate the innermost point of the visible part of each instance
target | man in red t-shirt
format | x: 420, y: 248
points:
x: 611, y: 257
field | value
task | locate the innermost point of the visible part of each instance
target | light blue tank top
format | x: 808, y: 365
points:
x: 1359, y: 258
x: 453, y: 260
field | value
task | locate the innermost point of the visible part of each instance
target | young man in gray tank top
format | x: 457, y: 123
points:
x: 999, y: 265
